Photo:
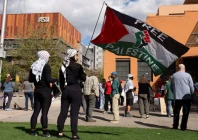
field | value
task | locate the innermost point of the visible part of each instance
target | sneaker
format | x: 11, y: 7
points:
x: 8, y: 109
x: 147, y: 116
x: 60, y: 136
x: 75, y: 138
x: 141, y: 116
x: 114, y: 121
x: 128, y: 114
x: 90, y: 120
x: 83, y: 113
x: 110, y: 112
x: 105, y: 112
x: 47, y: 135
x: 25, y: 109
x: 33, y: 133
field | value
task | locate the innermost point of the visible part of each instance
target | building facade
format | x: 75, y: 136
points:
x: 99, y: 57
x: 178, y: 21
x: 86, y: 57
x: 19, y: 24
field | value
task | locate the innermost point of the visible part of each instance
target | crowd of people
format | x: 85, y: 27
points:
x: 79, y: 89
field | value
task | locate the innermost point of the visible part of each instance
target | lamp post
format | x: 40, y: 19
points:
x: 2, y: 52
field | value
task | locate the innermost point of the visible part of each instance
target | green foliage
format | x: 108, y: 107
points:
x: 33, y: 40
x: 100, y: 73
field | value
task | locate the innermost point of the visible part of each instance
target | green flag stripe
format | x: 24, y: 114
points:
x: 127, y: 49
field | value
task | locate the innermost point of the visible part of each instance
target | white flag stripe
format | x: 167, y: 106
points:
x: 159, y: 53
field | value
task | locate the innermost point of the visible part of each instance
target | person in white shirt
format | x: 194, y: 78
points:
x: 129, y: 90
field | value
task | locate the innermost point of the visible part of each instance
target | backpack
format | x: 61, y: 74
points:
x: 120, y: 88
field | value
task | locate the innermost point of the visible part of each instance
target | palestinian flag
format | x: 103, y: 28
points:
x: 126, y: 36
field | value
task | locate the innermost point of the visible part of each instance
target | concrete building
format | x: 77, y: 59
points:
x: 38, y: 31
x: 20, y: 24
x: 86, y: 57
x: 99, y: 57
x: 178, y: 21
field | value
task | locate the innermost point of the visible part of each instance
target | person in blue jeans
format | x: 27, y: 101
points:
x: 169, y: 97
x: 28, y: 92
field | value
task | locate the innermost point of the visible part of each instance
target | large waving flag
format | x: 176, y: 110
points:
x: 126, y: 36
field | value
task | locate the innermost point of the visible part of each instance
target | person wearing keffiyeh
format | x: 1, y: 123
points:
x: 71, y: 76
x: 40, y: 75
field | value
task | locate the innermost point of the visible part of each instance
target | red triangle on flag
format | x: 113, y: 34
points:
x: 112, y: 30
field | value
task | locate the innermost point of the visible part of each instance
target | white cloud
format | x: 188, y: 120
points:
x: 84, y: 13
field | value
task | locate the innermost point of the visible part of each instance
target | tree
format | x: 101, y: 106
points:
x: 32, y: 40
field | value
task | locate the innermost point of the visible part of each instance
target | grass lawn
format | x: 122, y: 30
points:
x: 19, y: 131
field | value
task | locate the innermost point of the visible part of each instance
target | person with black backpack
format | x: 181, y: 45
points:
x: 121, y: 100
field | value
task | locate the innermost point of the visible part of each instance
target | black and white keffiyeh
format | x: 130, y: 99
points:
x: 70, y: 53
x: 37, y: 66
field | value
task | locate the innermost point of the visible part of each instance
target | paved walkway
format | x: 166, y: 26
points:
x: 156, y: 120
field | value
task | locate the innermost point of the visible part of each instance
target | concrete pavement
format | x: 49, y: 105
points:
x: 156, y: 120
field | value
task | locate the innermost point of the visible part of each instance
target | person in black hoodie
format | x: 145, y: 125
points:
x: 40, y: 75
x: 143, y: 96
x: 71, y: 77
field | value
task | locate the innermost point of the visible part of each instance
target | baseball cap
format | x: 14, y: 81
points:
x: 130, y: 75
x: 114, y: 73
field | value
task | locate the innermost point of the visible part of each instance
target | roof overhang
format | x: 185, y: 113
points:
x: 190, y: 2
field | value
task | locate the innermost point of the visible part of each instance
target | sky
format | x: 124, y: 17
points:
x: 83, y: 14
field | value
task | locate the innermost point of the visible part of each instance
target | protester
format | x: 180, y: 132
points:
x: 101, y: 93
x: 28, y: 92
x: 169, y: 97
x: 182, y: 88
x: 40, y: 75
x: 115, y: 97
x: 159, y: 84
x: 143, y: 96
x: 83, y: 104
x: 121, y: 100
x: 128, y: 89
x: 196, y: 84
x: 71, y: 77
x: 162, y: 89
x: 8, y: 92
x: 108, y: 91
x: 91, y: 92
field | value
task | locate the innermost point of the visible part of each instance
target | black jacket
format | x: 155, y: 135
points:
x: 74, y: 74
x: 46, y: 79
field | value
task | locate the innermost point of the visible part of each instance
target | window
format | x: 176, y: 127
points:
x: 122, y: 68
x: 144, y: 69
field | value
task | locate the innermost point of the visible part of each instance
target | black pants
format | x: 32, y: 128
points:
x: 107, y: 100
x: 42, y: 101
x: 186, y: 104
x: 121, y: 100
x: 9, y: 95
x: 72, y: 95
x: 90, y: 101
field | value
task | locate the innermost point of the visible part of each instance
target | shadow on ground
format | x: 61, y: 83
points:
x: 54, y: 133
x: 151, y: 125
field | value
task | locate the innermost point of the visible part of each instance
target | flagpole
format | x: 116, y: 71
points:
x: 94, y: 32
x: 2, y: 53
